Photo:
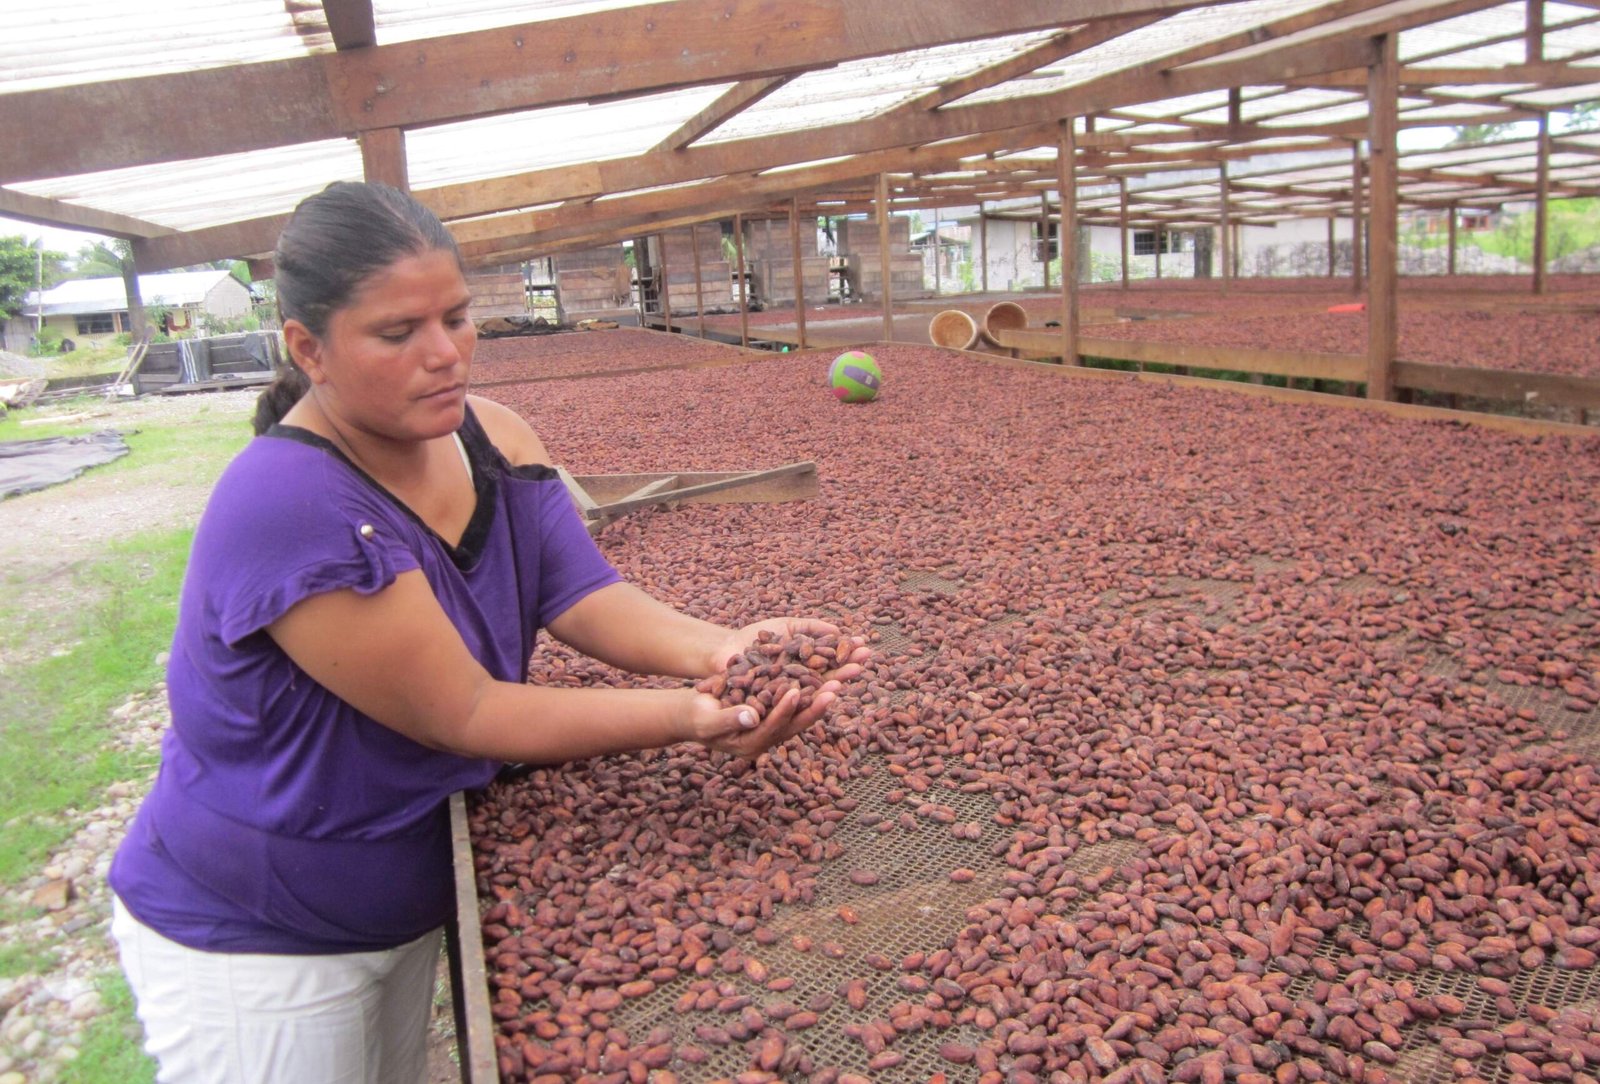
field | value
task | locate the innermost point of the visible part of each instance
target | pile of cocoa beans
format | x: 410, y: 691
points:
x: 1252, y: 742
x: 771, y: 666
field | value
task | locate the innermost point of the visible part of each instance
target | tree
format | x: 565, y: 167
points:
x: 1468, y: 135
x: 114, y: 260
x: 1583, y: 117
x: 20, y: 272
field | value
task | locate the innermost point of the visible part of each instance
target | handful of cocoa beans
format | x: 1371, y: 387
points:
x: 770, y: 667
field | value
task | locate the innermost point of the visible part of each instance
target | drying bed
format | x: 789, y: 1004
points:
x: 571, y: 353
x: 1207, y: 739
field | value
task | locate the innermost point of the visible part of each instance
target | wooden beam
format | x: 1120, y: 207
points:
x: 1122, y: 187
x: 1046, y: 52
x: 62, y: 131
x: 383, y: 157
x: 1450, y: 264
x: 1226, y: 246
x: 699, y: 289
x: 1067, y: 230
x: 983, y: 239
x: 744, y: 297
x: 351, y: 23
x: 1504, y: 385
x: 735, y: 99
x: 887, y: 294
x: 799, y: 270
x: 51, y: 212
x: 1534, y: 41
x: 1035, y: 342
x: 666, y: 288
x: 1382, y: 295
x: 1541, y: 206
x: 1357, y: 271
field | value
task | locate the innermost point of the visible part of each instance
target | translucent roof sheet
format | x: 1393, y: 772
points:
x: 411, y: 20
x: 860, y: 89
x: 46, y: 45
x: 1149, y: 43
x: 1559, y: 97
x: 1463, y: 32
x: 211, y: 191
x: 538, y: 139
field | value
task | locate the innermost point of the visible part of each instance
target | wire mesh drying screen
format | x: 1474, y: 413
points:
x: 1212, y: 763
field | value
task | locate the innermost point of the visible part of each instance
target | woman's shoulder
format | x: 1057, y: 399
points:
x: 509, y: 433
x: 283, y: 481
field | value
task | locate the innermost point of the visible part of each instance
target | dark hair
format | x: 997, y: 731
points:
x: 332, y: 243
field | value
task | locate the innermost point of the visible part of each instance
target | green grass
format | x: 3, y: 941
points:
x: 89, y: 636
x: 110, y: 1052
x: 56, y: 709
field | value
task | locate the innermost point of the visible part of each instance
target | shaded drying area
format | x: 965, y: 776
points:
x: 1208, y: 738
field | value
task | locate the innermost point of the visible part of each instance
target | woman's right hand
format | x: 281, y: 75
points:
x: 739, y: 730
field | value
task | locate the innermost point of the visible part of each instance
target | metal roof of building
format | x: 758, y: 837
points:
x: 572, y: 121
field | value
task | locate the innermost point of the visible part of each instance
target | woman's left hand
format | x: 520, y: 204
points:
x: 787, y: 628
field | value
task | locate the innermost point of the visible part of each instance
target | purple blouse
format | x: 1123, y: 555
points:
x: 283, y: 820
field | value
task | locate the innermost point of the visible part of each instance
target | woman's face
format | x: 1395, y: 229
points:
x: 394, y: 360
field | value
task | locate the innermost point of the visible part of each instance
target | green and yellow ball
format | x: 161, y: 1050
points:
x: 854, y: 377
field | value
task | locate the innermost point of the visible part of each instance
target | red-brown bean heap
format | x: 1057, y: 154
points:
x: 765, y: 672
x: 1207, y: 740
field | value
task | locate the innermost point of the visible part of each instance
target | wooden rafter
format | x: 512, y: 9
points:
x: 733, y: 101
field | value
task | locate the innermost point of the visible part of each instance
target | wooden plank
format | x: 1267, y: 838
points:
x: 1383, y: 325
x: 51, y: 212
x: 383, y: 157
x: 735, y: 99
x: 1047, y: 343
x: 580, y: 496
x: 1532, y: 427
x: 469, y: 976
x: 351, y: 23
x: 886, y: 280
x: 1067, y: 239
x: 732, y: 480
x: 1504, y: 385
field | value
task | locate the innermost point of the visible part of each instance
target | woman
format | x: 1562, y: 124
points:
x: 352, y: 647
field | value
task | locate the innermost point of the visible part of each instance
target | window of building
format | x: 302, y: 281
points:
x: 1144, y: 242
x: 97, y: 323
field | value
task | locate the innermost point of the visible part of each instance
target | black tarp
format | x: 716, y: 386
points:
x: 28, y: 465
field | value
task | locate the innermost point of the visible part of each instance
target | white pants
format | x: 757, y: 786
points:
x: 244, y: 1018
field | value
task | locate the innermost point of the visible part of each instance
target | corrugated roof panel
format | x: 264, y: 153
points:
x: 1296, y: 101
x: 1481, y: 90
x: 67, y: 42
x: 1354, y: 110
x: 1177, y: 107
x: 1562, y: 96
x: 514, y: 143
x: 1572, y: 41
x: 1464, y: 156
x: 211, y: 191
x: 1148, y: 44
x: 863, y: 88
x: 1444, y: 114
x: 411, y: 20
x: 1451, y: 36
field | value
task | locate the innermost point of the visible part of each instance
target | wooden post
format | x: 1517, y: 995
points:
x: 938, y: 286
x: 983, y: 242
x: 1450, y: 266
x: 1066, y: 168
x: 1541, y: 206
x: 1383, y: 88
x: 1122, y: 184
x: 1227, y: 242
x: 1160, y: 238
x: 1044, y: 235
x: 666, y: 292
x: 1356, y: 271
x: 744, y: 301
x: 1238, y: 247
x: 1331, y: 248
x: 883, y: 257
x: 799, y: 270
x: 699, y: 291
x: 383, y: 157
